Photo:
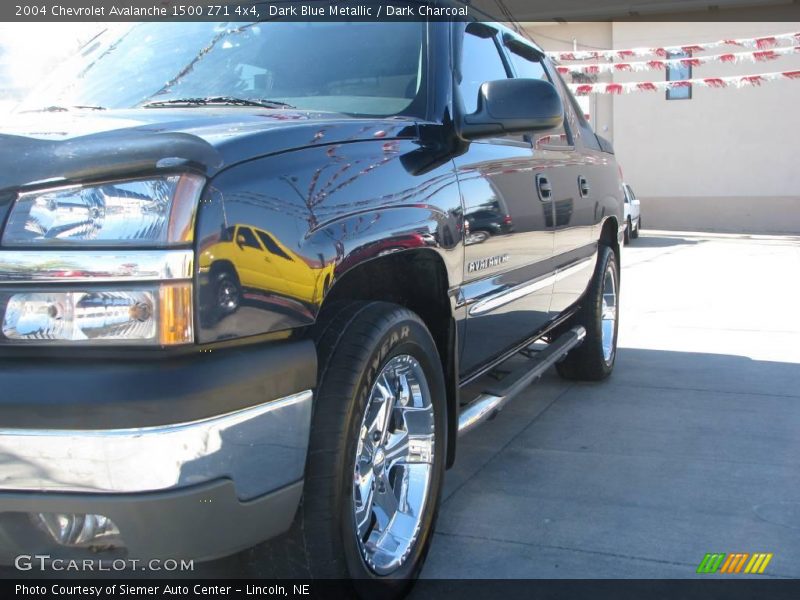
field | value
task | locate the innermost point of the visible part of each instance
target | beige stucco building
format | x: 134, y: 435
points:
x: 724, y: 160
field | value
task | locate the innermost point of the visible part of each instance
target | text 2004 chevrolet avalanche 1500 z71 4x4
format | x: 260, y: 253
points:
x: 247, y: 268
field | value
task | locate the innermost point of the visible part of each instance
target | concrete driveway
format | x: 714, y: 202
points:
x: 692, y: 446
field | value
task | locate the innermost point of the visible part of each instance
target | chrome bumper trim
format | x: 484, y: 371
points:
x: 261, y: 448
x: 94, y: 266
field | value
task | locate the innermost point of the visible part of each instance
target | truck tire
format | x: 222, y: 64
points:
x: 370, y: 498
x: 594, y: 359
x: 628, y: 232
x: 635, y: 232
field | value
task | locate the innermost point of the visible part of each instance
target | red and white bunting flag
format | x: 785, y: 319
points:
x: 736, y: 81
x: 752, y: 56
x: 758, y: 43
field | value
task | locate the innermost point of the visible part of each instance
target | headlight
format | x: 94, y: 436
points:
x: 61, y: 289
x: 143, y: 212
x: 142, y: 315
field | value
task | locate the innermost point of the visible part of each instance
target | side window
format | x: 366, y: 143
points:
x: 271, y: 246
x: 528, y: 65
x: 245, y: 237
x: 480, y: 62
x: 577, y: 124
x: 580, y: 118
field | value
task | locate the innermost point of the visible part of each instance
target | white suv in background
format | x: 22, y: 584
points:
x: 633, y: 214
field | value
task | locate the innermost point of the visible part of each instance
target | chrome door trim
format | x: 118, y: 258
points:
x: 504, y: 297
x: 510, y: 295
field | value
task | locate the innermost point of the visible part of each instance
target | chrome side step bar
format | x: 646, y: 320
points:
x: 493, y: 398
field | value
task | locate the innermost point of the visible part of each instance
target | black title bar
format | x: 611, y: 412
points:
x: 397, y: 10
x: 436, y: 589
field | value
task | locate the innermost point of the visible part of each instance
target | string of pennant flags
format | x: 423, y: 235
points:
x: 757, y: 43
x: 752, y: 56
x: 736, y: 81
x: 761, y: 49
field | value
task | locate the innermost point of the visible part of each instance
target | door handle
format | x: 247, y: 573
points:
x: 544, y: 188
x: 583, y: 186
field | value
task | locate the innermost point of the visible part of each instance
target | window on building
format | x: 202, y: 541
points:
x: 679, y: 72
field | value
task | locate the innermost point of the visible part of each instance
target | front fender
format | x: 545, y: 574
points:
x: 327, y: 210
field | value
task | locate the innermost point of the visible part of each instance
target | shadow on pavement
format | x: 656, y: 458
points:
x: 661, y: 241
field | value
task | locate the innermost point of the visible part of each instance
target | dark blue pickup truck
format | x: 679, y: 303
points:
x: 248, y: 269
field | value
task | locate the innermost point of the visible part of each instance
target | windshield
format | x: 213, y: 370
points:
x: 357, y: 68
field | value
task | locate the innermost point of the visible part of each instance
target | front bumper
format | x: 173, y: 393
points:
x: 260, y: 448
x: 210, y: 461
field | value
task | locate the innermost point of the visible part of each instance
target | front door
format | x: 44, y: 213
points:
x: 508, y: 214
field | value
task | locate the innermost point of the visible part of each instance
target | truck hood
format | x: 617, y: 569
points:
x: 72, y: 146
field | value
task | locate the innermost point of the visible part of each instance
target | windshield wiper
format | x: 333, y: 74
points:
x: 217, y: 101
x: 64, y: 108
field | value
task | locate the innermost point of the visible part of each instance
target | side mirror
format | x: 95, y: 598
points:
x: 513, y: 106
x: 240, y: 241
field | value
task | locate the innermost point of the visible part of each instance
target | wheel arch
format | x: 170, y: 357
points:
x: 610, y: 233
x: 416, y: 279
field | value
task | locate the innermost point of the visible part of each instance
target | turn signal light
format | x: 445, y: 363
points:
x: 176, y: 324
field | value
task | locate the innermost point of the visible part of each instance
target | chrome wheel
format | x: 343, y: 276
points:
x: 609, y: 313
x: 394, y: 464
